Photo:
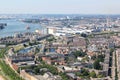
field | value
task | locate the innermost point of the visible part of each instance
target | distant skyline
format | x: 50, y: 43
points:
x: 59, y: 6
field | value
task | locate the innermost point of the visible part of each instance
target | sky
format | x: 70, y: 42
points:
x: 59, y: 6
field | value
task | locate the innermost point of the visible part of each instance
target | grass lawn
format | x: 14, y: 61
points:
x: 18, y: 47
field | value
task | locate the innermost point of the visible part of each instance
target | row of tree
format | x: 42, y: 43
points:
x: 84, y: 73
x: 3, y: 52
x: 38, y: 69
x: 9, y: 72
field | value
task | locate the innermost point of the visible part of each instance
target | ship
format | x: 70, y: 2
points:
x: 2, y: 25
x: 27, y: 27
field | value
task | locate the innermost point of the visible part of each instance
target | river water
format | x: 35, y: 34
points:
x: 15, y: 26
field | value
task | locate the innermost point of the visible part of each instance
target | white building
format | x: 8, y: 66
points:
x: 51, y: 30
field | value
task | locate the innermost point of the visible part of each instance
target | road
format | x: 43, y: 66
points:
x: 113, y: 67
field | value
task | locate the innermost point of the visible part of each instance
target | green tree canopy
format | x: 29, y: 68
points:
x: 93, y: 74
x: 97, y: 65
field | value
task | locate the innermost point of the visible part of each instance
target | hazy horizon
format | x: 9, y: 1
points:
x: 60, y: 7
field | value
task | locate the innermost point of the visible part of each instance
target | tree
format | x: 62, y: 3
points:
x: 101, y: 57
x: 37, y: 50
x: 84, y: 35
x: 30, y: 43
x: 36, y: 70
x: 93, y: 74
x: 24, y: 45
x: 100, y: 76
x: 79, y: 53
x: 50, y: 39
x: 93, y: 57
x: 84, y: 72
x: 97, y: 65
x: 9, y: 72
x: 64, y: 76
